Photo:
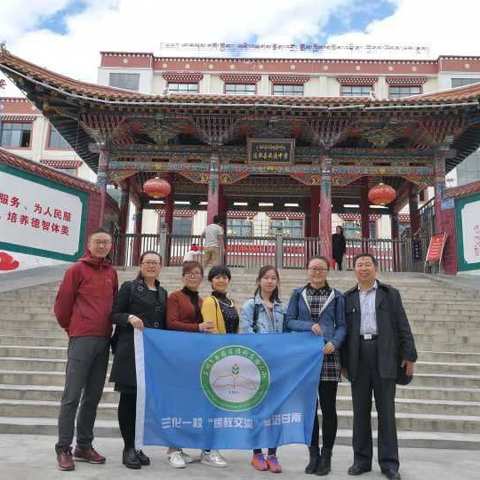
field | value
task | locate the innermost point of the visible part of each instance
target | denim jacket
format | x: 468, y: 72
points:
x: 332, y: 316
x: 265, y: 324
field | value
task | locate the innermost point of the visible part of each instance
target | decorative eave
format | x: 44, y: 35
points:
x: 11, y: 117
x: 245, y: 78
x: 463, y: 190
x: 7, y: 158
x: 241, y: 214
x: 356, y: 81
x: 405, y: 81
x: 62, y: 164
x: 184, y: 213
x: 280, y: 79
x: 182, y: 77
x: 356, y: 217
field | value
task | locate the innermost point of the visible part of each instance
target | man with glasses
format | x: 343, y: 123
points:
x: 82, y: 307
x: 379, y: 341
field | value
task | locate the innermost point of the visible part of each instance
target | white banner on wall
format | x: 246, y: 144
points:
x: 40, y: 217
x: 471, y: 232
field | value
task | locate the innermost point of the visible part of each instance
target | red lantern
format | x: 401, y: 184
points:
x: 157, y: 188
x: 381, y: 194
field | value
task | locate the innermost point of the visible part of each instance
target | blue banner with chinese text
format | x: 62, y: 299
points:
x: 226, y: 391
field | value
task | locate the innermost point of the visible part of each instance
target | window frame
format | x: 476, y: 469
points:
x: 226, y: 85
x: 464, y: 81
x: 287, y: 228
x: 128, y: 74
x: 48, y: 144
x: 196, y: 84
x: 245, y: 226
x: 351, y: 94
x: 397, y: 95
x: 176, y: 220
x: 287, y: 85
x: 16, y: 147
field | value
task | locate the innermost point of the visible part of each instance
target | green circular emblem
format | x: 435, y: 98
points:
x: 235, y: 378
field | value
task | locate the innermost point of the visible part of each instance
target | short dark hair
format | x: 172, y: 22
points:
x: 187, y: 267
x: 217, y: 219
x: 365, y: 254
x: 319, y: 257
x: 219, y: 270
x: 100, y: 230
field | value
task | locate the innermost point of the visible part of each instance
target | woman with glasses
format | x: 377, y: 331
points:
x: 318, y: 308
x: 264, y: 313
x: 184, y: 314
x: 140, y: 304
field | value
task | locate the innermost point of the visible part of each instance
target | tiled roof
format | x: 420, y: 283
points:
x: 7, y: 158
x: 463, y: 190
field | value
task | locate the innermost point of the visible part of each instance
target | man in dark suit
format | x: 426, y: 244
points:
x: 378, y: 342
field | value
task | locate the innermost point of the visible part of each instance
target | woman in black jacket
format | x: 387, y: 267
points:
x: 339, y: 246
x: 140, y: 303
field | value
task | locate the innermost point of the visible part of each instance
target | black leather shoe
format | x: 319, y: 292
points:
x: 358, y: 470
x: 314, y: 460
x: 325, y: 464
x: 130, y: 459
x: 392, y: 474
x: 143, y: 459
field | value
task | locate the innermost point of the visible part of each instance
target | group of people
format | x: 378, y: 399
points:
x: 366, y: 333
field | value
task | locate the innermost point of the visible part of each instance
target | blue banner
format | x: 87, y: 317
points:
x: 226, y: 391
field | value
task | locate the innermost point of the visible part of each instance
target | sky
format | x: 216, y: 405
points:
x: 66, y: 36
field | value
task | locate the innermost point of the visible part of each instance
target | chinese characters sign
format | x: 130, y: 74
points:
x: 468, y: 232
x: 40, y: 217
x: 270, y: 150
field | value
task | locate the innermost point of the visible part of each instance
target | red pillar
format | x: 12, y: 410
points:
x: 395, y: 237
x: 170, y: 204
x: 439, y: 168
x: 307, y: 228
x: 102, y: 181
x: 137, y: 244
x: 222, y: 204
x: 123, y: 222
x: 315, y: 199
x: 413, y: 207
x: 364, y: 209
x: 213, y: 188
x: 326, y: 208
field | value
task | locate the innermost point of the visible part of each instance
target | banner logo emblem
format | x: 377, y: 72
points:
x: 235, y: 378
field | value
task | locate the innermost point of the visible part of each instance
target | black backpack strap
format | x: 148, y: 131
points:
x: 256, y: 309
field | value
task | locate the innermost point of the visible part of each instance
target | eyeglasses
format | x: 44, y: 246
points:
x: 193, y: 274
x: 152, y: 264
x: 318, y: 270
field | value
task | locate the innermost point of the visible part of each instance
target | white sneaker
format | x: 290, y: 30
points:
x: 176, y: 459
x: 186, y: 457
x: 213, y: 459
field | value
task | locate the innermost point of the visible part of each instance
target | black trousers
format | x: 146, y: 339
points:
x: 384, y: 392
x: 126, y: 418
x: 327, y: 392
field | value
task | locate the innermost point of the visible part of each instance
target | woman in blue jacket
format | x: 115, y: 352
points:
x: 318, y: 308
x: 264, y: 313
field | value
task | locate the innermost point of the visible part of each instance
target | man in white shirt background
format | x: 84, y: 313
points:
x: 213, y: 234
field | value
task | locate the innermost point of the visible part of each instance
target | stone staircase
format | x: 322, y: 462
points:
x: 441, y: 408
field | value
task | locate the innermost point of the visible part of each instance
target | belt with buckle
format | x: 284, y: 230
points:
x: 369, y: 336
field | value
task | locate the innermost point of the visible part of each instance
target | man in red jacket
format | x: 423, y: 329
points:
x: 82, y: 307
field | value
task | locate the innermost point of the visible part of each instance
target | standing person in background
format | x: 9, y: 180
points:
x: 318, y: 308
x: 140, y: 304
x: 264, y: 313
x: 378, y: 342
x: 339, y: 246
x: 82, y: 307
x: 213, y: 248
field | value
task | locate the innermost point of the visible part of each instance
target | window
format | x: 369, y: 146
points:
x: 239, y: 227
x: 56, y: 140
x: 356, y: 90
x: 16, y: 134
x: 469, y: 170
x: 352, y: 230
x: 128, y: 81
x: 182, y: 87
x: 399, y: 92
x: 287, y: 228
x: 460, y: 82
x: 294, y: 90
x: 240, y: 89
x: 182, y: 226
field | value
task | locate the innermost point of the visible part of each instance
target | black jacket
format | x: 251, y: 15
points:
x: 339, y: 245
x: 133, y: 299
x: 395, y: 340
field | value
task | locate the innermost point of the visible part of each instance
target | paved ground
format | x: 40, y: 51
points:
x: 25, y: 457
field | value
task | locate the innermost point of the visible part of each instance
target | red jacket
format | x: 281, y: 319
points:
x: 85, y: 297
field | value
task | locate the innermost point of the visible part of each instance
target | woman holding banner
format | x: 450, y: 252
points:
x: 140, y: 304
x: 219, y: 312
x: 264, y: 313
x: 184, y: 314
x: 318, y: 308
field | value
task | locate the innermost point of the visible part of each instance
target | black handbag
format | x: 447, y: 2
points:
x: 402, y: 377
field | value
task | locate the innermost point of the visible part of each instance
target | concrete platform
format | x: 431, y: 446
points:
x: 27, y: 457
